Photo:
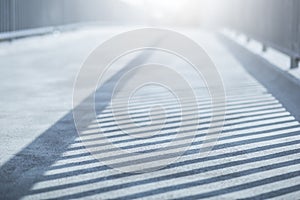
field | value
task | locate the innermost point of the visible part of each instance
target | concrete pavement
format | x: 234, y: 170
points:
x: 42, y: 157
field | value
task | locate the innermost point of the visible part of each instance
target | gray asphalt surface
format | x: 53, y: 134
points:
x: 42, y: 157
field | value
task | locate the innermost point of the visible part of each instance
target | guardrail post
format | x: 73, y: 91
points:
x: 294, y: 62
x: 264, y: 48
x: 12, y: 15
x: 248, y: 39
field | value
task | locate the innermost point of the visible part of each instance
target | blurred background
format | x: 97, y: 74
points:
x: 18, y: 14
x: 273, y: 22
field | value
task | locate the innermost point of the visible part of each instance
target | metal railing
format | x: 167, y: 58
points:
x: 40, y: 15
x: 275, y: 23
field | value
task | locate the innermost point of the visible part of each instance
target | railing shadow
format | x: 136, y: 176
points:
x: 259, y: 137
x: 281, y: 87
x: 28, y: 166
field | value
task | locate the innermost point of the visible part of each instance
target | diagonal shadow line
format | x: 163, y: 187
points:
x: 195, y: 151
x: 36, y: 158
x: 231, y: 91
x: 206, y: 181
x: 175, y: 132
x: 275, y: 105
x: 170, y: 176
x: 230, y: 112
x: 275, y: 193
x: 27, y: 167
x: 151, y: 150
x: 223, y: 178
x: 236, y: 129
x: 161, y: 94
x: 189, y: 152
x: 168, y: 119
x: 154, y: 119
x: 175, y: 105
x: 249, y: 106
x: 140, y: 100
x: 248, y: 185
x: 167, y: 140
x: 136, y: 114
x: 132, y: 146
x: 222, y: 138
x: 205, y: 112
x: 201, y: 113
x: 205, y: 121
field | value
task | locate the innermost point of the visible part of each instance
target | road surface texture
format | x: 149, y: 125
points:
x: 257, y: 154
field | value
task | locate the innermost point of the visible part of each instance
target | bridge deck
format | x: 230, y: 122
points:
x: 257, y: 154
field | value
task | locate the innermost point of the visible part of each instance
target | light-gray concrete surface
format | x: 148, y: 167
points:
x: 257, y: 155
